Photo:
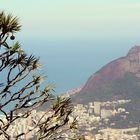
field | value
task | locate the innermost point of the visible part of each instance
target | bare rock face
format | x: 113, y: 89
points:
x: 114, y: 70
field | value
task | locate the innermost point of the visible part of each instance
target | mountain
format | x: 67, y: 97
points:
x: 117, y: 79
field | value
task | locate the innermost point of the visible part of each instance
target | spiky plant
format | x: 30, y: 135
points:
x: 21, y: 93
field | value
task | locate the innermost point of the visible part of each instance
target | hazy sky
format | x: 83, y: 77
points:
x: 76, y: 18
x: 74, y: 38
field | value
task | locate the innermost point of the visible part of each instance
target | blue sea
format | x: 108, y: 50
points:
x: 68, y: 63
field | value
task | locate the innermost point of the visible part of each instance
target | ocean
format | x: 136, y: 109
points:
x: 68, y: 63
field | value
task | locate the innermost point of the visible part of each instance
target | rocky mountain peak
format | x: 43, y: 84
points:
x: 134, y: 53
x: 114, y: 70
x: 134, y: 50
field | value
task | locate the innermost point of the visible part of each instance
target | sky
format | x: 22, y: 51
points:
x: 74, y: 38
x: 76, y: 18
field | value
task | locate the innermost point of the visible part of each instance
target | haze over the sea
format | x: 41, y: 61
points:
x: 74, y: 38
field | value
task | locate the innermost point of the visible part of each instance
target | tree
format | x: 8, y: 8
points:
x: 21, y: 92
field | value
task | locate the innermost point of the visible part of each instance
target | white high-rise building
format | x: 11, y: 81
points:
x: 97, y: 108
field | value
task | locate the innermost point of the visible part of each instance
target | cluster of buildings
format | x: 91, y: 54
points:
x: 91, y: 122
x: 24, y: 125
x: 93, y: 117
x: 101, y: 109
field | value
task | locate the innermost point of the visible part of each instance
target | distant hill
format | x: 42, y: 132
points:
x: 118, y: 79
